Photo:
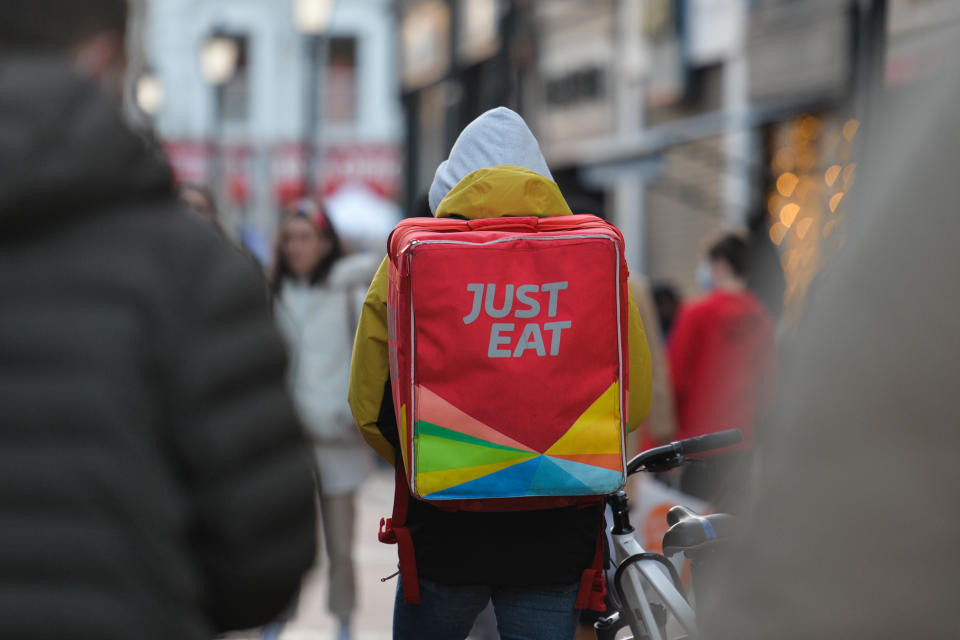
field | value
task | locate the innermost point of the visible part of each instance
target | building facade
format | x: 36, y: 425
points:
x: 613, y: 90
x: 256, y: 134
x: 675, y: 119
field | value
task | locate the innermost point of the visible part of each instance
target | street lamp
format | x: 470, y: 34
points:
x: 312, y: 19
x: 219, y: 55
x: 218, y: 58
x: 150, y: 93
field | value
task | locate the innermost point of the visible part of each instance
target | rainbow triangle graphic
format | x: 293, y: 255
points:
x: 457, y: 457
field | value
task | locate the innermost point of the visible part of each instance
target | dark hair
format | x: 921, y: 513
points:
x: 321, y: 223
x: 58, y: 24
x: 665, y: 293
x: 421, y: 207
x: 732, y: 249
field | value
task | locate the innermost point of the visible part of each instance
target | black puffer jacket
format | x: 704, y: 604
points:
x: 154, y: 482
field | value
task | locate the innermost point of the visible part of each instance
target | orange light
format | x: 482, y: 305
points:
x: 832, y: 174
x: 803, y: 227
x: 848, y: 174
x: 850, y: 129
x: 806, y: 161
x: 787, y: 183
x: 783, y: 160
x: 828, y: 228
x: 803, y: 189
x: 777, y: 233
x: 835, y: 202
x: 809, y: 127
x: 774, y: 203
x: 789, y: 213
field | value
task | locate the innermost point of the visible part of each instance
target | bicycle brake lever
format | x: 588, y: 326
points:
x: 665, y: 464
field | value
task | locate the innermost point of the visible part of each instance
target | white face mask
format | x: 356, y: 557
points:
x: 704, y: 276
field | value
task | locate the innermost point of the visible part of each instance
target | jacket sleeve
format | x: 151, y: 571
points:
x: 246, y: 466
x: 661, y: 424
x: 370, y: 367
x: 640, y: 370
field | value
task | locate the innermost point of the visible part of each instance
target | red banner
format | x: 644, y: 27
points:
x: 374, y: 166
x: 191, y: 160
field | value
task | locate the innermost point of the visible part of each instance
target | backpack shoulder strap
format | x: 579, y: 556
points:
x: 593, y: 583
x: 394, y: 530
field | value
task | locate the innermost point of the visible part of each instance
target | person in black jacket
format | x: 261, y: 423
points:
x: 154, y: 481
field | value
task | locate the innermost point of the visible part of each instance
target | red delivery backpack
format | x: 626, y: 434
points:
x: 509, y: 366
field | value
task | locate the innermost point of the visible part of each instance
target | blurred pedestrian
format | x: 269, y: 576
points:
x: 723, y: 368
x: 668, y: 301
x: 201, y: 202
x: 319, y: 292
x: 154, y: 479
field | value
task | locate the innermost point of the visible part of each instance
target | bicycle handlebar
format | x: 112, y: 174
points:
x: 710, y: 441
x: 671, y: 455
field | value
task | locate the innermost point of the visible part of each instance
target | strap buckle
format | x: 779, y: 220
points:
x: 387, y: 535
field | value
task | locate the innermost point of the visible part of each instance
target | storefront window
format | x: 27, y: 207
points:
x: 341, y: 82
x: 235, y: 105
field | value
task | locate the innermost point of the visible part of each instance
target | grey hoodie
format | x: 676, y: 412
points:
x: 498, y: 137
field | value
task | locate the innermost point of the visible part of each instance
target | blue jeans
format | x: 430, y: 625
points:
x: 523, y: 613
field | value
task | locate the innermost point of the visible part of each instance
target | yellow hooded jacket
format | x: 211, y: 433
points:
x: 502, y: 191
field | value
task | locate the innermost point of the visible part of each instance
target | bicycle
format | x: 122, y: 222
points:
x: 647, y: 613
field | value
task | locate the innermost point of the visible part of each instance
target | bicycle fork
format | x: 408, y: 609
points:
x: 636, y: 607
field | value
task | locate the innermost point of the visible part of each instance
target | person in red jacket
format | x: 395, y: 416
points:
x: 723, y: 367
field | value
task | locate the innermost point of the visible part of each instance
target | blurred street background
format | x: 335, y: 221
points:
x: 374, y: 615
x: 673, y: 119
